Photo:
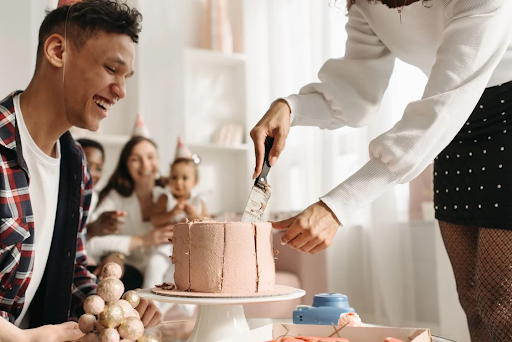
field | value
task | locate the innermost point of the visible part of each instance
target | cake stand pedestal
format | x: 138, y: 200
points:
x: 221, y: 317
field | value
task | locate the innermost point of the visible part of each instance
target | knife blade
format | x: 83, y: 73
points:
x: 260, y: 191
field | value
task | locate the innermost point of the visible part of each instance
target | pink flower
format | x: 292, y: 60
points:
x: 350, y: 319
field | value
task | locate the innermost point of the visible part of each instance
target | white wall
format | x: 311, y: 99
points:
x: 18, y: 38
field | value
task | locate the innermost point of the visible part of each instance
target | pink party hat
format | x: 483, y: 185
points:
x: 66, y: 2
x: 140, y: 128
x: 182, y: 150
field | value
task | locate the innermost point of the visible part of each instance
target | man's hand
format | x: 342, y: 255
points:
x: 276, y: 124
x: 53, y: 333
x: 149, y: 313
x: 107, y: 223
x: 312, y: 230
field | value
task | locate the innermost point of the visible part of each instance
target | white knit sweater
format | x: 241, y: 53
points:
x: 463, y: 46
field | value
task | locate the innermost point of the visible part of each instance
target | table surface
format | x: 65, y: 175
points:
x: 180, y: 330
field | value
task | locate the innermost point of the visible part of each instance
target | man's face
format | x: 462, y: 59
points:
x: 95, y: 78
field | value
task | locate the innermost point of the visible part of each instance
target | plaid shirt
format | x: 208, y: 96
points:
x: 66, y: 282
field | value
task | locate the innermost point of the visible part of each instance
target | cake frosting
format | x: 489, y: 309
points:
x: 223, y: 257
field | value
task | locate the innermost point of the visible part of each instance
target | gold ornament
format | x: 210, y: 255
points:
x: 132, y: 297
x: 148, y: 338
x: 111, y: 316
x: 110, y: 289
x: 109, y: 335
x: 131, y: 328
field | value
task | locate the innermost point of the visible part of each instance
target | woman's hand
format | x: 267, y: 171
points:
x: 52, y: 333
x: 159, y: 236
x: 311, y: 231
x: 276, y: 124
x: 107, y: 223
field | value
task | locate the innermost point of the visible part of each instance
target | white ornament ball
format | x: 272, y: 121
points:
x: 110, y: 289
x: 111, y: 269
x: 127, y: 307
x: 94, y: 305
x: 136, y: 314
x: 132, y: 297
x: 86, y: 323
x: 91, y: 337
x: 109, y: 335
x: 131, y: 328
x: 111, y: 316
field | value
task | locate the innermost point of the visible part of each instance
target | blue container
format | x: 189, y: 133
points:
x: 326, y: 309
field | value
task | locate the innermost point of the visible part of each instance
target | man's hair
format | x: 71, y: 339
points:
x: 92, y: 144
x: 84, y: 19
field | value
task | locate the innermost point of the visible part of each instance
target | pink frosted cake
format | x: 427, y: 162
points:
x: 223, y: 257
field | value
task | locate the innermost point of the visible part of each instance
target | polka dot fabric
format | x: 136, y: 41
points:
x: 473, y: 174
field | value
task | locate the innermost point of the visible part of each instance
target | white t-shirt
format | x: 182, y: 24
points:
x: 44, y: 191
x: 99, y: 246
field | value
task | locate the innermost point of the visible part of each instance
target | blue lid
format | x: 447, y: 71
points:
x: 331, y: 299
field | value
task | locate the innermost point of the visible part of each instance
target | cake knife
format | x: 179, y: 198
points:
x: 260, y: 191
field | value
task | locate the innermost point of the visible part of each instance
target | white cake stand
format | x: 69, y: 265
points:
x: 220, y: 318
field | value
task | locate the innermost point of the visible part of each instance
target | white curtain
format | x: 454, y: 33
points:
x: 395, y: 271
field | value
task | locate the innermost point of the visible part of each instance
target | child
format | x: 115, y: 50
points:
x: 108, y: 222
x: 176, y: 203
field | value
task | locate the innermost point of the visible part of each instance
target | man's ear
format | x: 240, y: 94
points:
x: 54, y: 50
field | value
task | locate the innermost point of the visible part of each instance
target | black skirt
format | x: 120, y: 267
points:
x: 473, y: 174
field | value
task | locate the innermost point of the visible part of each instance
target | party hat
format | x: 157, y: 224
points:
x: 140, y: 128
x: 182, y: 150
x: 66, y: 2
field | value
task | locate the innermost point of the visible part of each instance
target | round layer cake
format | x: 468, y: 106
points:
x: 223, y: 257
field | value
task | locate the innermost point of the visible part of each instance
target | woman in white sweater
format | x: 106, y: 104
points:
x: 463, y: 122
x: 130, y: 189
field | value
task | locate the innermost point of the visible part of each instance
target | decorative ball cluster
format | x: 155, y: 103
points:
x: 110, y: 318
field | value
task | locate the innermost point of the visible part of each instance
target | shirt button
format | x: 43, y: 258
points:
x: 74, y: 177
x: 7, y: 286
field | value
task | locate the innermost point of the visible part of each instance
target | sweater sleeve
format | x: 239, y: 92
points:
x: 351, y: 88
x: 474, y: 40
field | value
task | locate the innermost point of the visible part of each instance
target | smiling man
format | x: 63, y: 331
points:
x: 86, y: 52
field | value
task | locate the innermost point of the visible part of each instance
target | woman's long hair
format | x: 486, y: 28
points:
x: 351, y: 2
x: 121, y: 181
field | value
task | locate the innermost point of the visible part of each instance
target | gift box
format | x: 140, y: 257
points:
x: 354, y: 334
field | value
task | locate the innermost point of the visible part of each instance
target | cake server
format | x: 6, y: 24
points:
x: 260, y: 191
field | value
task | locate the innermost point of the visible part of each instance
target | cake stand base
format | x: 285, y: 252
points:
x: 221, y: 317
x: 216, y: 322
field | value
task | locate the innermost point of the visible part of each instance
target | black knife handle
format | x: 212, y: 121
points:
x: 266, y: 166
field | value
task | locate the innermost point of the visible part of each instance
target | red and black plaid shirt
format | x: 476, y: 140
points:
x: 17, y: 226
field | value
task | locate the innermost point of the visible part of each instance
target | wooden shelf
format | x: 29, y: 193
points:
x: 205, y: 56
x: 106, y: 139
x: 219, y: 147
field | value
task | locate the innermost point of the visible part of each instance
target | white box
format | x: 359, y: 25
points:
x: 360, y: 334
